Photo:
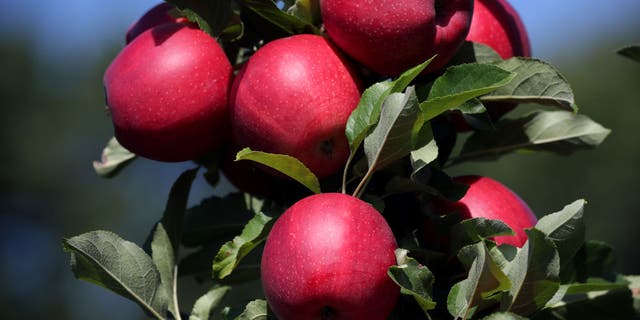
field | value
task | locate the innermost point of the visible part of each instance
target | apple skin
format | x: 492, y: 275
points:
x: 327, y: 258
x: 390, y: 36
x: 490, y: 199
x: 497, y: 24
x: 159, y: 14
x: 167, y: 93
x: 294, y: 96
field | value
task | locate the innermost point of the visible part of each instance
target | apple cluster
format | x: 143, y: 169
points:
x: 174, y: 95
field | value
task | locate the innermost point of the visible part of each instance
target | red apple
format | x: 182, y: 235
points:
x: 159, y: 14
x: 490, y: 199
x: 497, y: 24
x: 294, y: 96
x: 327, y: 258
x: 167, y: 93
x: 390, y: 36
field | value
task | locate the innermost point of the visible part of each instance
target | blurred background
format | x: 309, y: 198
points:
x: 53, y: 54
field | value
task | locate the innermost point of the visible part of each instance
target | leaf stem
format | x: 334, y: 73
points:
x: 175, y: 294
x: 345, y: 171
x: 363, y: 183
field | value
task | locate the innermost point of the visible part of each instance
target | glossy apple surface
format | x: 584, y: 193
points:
x: 490, y: 199
x: 390, y: 36
x: 159, y: 14
x: 294, y: 96
x: 327, y: 258
x: 497, y: 24
x: 167, y: 93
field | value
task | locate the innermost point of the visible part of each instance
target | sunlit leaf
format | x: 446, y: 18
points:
x: 105, y: 259
x: 534, y: 275
x: 232, y: 252
x: 566, y: 229
x: 255, y: 310
x: 203, y: 306
x: 484, y: 286
x: 392, y: 137
x: 414, y: 279
x: 559, y: 132
x: 536, y: 81
x: 114, y: 158
x: 367, y: 113
x: 285, y: 164
x: 460, y: 84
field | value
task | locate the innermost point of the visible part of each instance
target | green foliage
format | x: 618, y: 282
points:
x: 203, y: 306
x: 211, y: 16
x: 105, y: 259
x: 485, y: 284
x: 114, y: 158
x: 559, y: 132
x: 285, y: 164
x: 460, y: 84
x: 535, y: 82
x: 631, y: 52
x: 255, y: 310
x: 230, y: 255
x: 414, y: 279
x: 396, y: 133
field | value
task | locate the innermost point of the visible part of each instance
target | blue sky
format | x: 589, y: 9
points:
x: 71, y: 28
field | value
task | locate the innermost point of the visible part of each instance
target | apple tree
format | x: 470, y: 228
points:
x: 337, y: 121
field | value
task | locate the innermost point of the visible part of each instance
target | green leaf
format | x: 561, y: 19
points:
x: 566, y: 229
x: 477, y: 229
x: 164, y: 257
x: 414, y: 279
x: 460, y: 84
x: 285, y: 164
x: 595, y: 259
x: 105, y: 259
x: 424, y: 155
x: 306, y: 10
x: 232, y: 252
x: 366, y: 115
x: 503, y: 316
x: 255, y: 310
x: 631, y: 52
x: 535, y: 82
x: 476, y: 115
x: 114, y: 158
x: 559, y: 132
x: 269, y: 20
x: 596, y: 305
x: 483, y: 287
x: 176, y: 207
x: 203, y: 306
x: 215, y: 219
x: 392, y: 138
x: 436, y: 182
x: 473, y: 52
x: 211, y: 16
x: 534, y: 275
